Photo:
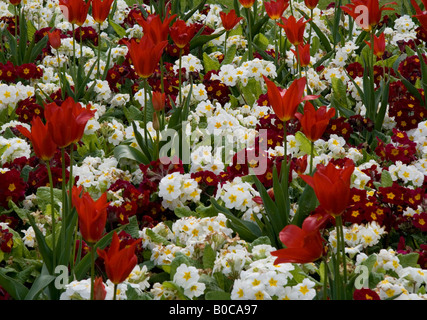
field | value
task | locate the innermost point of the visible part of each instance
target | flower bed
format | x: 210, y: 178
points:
x: 256, y: 151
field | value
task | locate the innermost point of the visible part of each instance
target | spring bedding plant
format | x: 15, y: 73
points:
x: 247, y: 150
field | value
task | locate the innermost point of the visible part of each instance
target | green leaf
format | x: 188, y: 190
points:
x: 209, y: 63
x: 183, y: 212
x: 305, y: 144
x: 157, y: 238
x: 261, y: 41
x: 386, y: 179
x: 230, y: 55
x: 15, y: 288
x: 121, y: 32
x: 409, y: 260
x: 306, y: 204
x: 124, y: 151
x: 217, y: 295
x: 42, y: 281
x: 209, y: 256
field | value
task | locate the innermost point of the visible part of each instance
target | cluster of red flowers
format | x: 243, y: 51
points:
x: 6, y: 240
x: 406, y: 109
x: 12, y: 187
x: 132, y: 199
x: 27, y: 109
x: 401, y: 148
x: 10, y: 73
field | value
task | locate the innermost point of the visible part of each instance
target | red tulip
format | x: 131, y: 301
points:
x: 181, y: 33
x: 276, y: 8
x: 99, y: 289
x: 247, y: 3
x: 229, y: 20
x: 119, y: 263
x: 40, y: 138
x: 294, y: 29
x: 332, y: 186
x: 314, y: 122
x: 67, y: 122
x: 101, y: 10
x: 303, y: 54
x: 92, y: 214
x: 303, y: 245
x: 15, y: 2
x: 154, y: 27
x: 159, y: 100
x: 75, y: 11
x: 54, y: 38
x: 366, y: 13
x: 311, y: 4
x: 379, y: 45
x: 420, y: 14
x: 145, y: 55
x: 286, y: 101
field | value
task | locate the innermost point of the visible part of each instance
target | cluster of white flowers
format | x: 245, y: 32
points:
x: 177, y: 189
x: 97, y: 174
x: 403, y: 30
x: 256, y: 68
x: 187, y: 277
x: 192, y: 231
x: 13, y: 148
x: 238, y: 195
x: 29, y: 236
x: 191, y: 64
x: 409, y: 174
x: 358, y: 236
x: 185, y: 237
x: 80, y: 290
x: 11, y: 94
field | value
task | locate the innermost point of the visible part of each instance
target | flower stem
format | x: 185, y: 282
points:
x: 52, y: 212
x: 180, y: 77
x: 92, y: 270
x: 115, y: 292
x: 250, y: 54
x: 341, y: 256
x: 311, y: 157
x: 99, y: 51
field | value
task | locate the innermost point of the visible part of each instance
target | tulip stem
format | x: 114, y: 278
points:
x: 250, y: 54
x: 115, y: 292
x: 145, y: 110
x: 92, y: 270
x: 276, y: 46
x: 52, y: 212
x: 64, y: 196
x: 99, y: 51
x: 311, y: 157
x: 298, y: 62
x: 341, y: 252
x: 180, y: 77
x: 74, y: 48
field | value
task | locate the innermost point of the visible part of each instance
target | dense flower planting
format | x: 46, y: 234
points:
x: 263, y: 150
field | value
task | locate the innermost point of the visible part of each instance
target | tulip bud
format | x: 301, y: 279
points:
x: 156, y: 124
x: 158, y: 100
x: 99, y: 291
x: 55, y: 38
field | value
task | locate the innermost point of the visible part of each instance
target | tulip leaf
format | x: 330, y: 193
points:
x: 306, y: 204
x: 121, y: 32
x: 210, y: 64
x: 41, y: 282
x: 15, y: 288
